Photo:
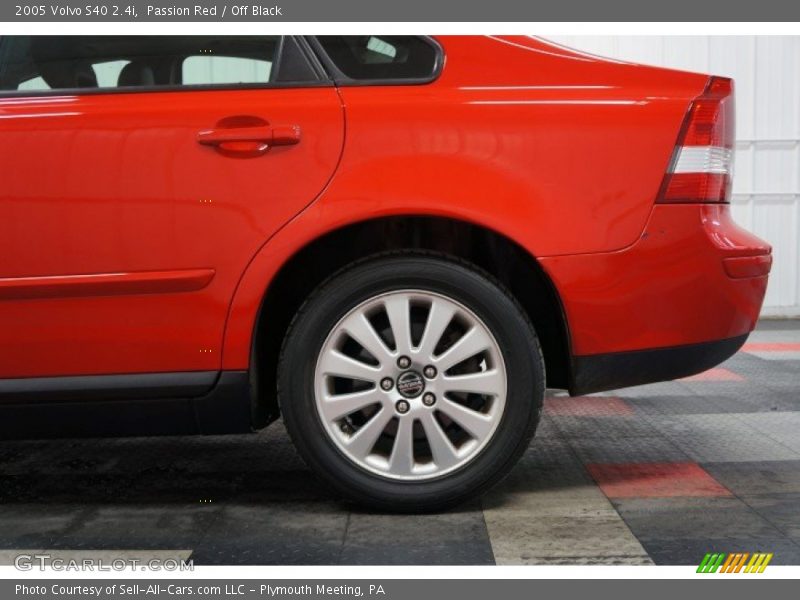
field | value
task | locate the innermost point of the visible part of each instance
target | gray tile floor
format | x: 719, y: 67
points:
x: 657, y: 474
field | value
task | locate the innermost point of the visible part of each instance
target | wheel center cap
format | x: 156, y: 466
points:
x: 410, y: 384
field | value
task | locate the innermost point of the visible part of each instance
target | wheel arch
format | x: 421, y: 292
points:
x: 306, y: 267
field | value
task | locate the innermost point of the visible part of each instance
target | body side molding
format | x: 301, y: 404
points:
x: 105, y: 284
x: 107, y: 387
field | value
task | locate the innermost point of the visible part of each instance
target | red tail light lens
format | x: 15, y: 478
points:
x: 702, y: 162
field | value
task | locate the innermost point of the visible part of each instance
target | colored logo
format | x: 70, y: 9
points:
x: 743, y: 562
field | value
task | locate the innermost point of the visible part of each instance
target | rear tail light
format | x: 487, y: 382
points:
x: 702, y: 162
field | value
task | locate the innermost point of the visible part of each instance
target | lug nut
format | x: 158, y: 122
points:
x: 428, y: 399
x: 429, y: 371
x: 403, y: 362
x: 402, y: 406
x: 387, y: 383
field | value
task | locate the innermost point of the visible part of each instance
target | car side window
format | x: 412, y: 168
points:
x: 362, y: 58
x: 107, y: 74
x: 42, y: 63
x: 198, y: 70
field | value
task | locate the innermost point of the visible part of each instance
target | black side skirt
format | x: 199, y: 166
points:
x: 205, y: 402
x: 602, y: 372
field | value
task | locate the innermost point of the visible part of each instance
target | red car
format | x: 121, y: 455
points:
x: 394, y: 242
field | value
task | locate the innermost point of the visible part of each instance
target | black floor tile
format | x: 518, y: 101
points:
x: 782, y: 510
x: 293, y: 533
x: 749, y: 478
x: 456, y: 538
x: 139, y: 528
x: 35, y: 526
x: 682, y: 518
x: 676, y: 405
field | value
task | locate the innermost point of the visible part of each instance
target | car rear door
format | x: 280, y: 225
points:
x: 141, y: 174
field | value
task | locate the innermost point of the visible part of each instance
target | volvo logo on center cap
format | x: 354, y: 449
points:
x: 410, y: 384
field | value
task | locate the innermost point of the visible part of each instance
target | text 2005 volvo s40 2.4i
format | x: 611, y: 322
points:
x: 393, y: 242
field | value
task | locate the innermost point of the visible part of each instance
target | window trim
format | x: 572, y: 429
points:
x: 342, y: 80
x: 321, y: 81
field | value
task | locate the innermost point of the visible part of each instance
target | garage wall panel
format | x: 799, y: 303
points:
x: 766, y: 186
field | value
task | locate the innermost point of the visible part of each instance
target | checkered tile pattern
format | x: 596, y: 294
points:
x: 656, y: 474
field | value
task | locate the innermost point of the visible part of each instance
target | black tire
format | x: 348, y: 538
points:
x: 446, y: 276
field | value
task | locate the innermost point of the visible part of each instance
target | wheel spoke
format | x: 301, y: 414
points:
x: 444, y: 454
x: 364, y: 439
x: 335, y: 407
x: 489, y: 383
x: 398, y: 310
x: 361, y: 330
x: 337, y: 364
x: 476, y: 424
x: 401, y: 461
x: 473, y: 341
x: 439, y: 318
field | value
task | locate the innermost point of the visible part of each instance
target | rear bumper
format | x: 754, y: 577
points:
x: 692, y: 284
x: 601, y: 372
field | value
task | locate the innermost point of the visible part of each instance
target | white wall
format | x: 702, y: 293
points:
x: 766, y: 186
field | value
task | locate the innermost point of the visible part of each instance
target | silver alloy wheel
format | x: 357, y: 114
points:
x: 389, y: 429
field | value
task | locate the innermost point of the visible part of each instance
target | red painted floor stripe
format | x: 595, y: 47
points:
x: 588, y: 406
x: 655, y: 480
x: 771, y: 347
x: 717, y: 374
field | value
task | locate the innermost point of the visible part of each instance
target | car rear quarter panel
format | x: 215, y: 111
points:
x: 561, y: 152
